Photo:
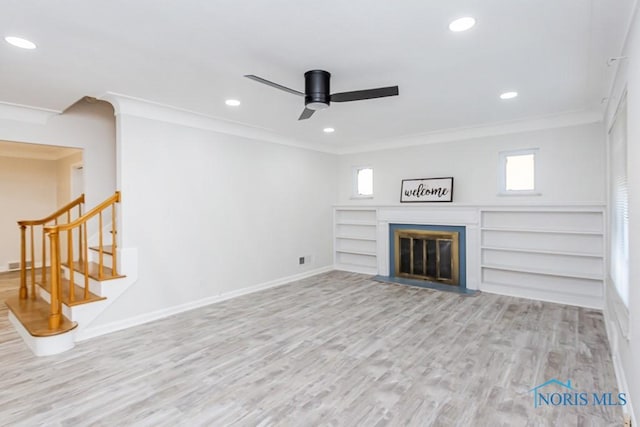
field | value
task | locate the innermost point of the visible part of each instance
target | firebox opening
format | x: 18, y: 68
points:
x: 428, y: 255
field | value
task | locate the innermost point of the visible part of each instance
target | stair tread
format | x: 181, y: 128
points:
x: 34, y: 316
x: 106, y: 249
x: 78, y: 293
x: 94, y: 270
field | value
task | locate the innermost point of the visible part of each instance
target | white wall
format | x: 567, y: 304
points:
x: 27, y: 191
x: 571, y: 165
x: 211, y: 213
x: 90, y: 126
x: 626, y: 346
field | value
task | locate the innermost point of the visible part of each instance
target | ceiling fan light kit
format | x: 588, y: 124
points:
x: 317, y: 92
x: 316, y: 89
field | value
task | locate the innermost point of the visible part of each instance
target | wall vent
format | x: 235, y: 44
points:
x: 16, y: 265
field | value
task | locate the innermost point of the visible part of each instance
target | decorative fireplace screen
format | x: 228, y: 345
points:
x: 428, y: 255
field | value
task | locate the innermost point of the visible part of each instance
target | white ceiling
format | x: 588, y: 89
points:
x: 193, y: 54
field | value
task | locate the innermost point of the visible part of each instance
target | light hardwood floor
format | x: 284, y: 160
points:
x: 336, y: 349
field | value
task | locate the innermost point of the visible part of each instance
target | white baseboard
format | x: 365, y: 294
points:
x: 586, y: 301
x: 356, y: 269
x: 615, y: 333
x: 6, y: 269
x: 624, y: 387
x: 161, y: 314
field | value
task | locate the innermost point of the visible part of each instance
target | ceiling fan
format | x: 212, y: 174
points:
x: 316, y: 92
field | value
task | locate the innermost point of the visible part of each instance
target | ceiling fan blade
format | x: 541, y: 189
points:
x: 358, y: 95
x: 306, y: 113
x: 272, y: 84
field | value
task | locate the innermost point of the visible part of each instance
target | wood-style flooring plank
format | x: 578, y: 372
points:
x: 337, y: 349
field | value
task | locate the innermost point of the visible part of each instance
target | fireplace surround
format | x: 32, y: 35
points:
x: 428, y: 254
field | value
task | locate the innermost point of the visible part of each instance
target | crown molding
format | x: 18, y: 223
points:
x: 26, y: 113
x: 132, y: 106
x: 495, y: 129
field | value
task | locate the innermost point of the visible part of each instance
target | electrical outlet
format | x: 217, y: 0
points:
x: 627, y: 420
x: 301, y: 260
x: 308, y: 259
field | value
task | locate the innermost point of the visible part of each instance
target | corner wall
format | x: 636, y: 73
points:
x: 90, y: 126
x: 213, y: 213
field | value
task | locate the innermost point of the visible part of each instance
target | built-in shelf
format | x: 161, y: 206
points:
x: 543, y: 231
x: 544, y: 272
x: 360, y: 223
x: 368, y: 239
x: 541, y: 251
x: 355, y: 239
x: 349, y: 251
x: 549, y: 254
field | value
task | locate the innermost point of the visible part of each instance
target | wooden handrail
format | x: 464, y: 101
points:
x: 62, y: 239
x: 87, y: 216
x: 27, y: 246
x: 81, y: 263
x: 66, y: 208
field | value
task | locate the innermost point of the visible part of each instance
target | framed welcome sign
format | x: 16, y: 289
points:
x: 426, y: 190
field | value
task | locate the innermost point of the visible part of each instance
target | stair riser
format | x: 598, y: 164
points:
x: 106, y: 258
x: 77, y: 313
x: 44, y: 346
x: 95, y: 287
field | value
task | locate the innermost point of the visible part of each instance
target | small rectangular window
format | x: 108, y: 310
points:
x: 518, y: 172
x: 363, y: 182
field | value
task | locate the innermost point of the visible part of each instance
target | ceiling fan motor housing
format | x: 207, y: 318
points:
x: 316, y: 89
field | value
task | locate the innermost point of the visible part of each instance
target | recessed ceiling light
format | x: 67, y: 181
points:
x: 18, y: 42
x: 508, y: 95
x: 328, y: 130
x: 232, y: 102
x: 462, y: 24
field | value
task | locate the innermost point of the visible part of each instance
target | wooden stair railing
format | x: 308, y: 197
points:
x: 82, y: 265
x: 28, y: 247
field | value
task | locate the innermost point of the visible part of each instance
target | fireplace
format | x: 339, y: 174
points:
x: 428, y: 255
x: 431, y: 255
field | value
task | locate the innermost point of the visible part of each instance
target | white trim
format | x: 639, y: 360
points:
x: 619, y: 82
x: 612, y: 328
x: 568, y: 119
x: 502, y: 172
x: 26, y: 113
x: 44, y: 346
x: 166, y: 312
x: 355, y: 269
x: 520, y: 205
x: 354, y: 183
x: 132, y: 106
x: 137, y: 107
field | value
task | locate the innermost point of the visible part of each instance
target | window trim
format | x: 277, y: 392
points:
x: 502, y: 172
x: 354, y: 183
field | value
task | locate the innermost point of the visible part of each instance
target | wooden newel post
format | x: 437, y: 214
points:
x: 56, y: 305
x: 24, y: 293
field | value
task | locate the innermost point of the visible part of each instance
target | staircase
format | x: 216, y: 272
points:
x: 68, y: 274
